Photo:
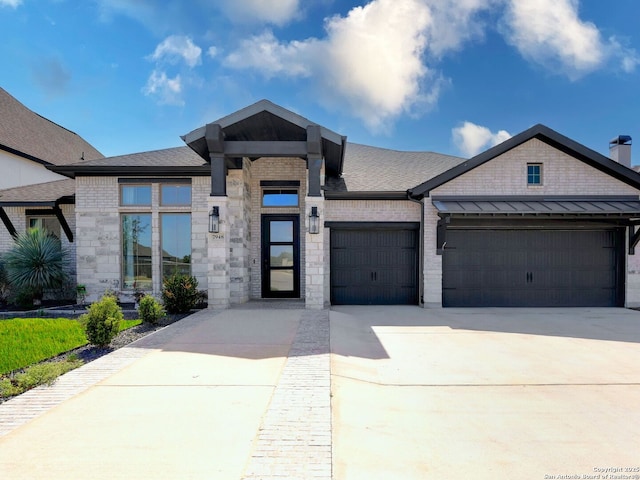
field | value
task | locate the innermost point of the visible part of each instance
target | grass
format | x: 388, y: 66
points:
x: 40, y: 374
x: 25, y: 341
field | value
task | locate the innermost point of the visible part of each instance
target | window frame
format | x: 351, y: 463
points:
x: 175, y: 185
x: 136, y: 185
x: 136, y: 265
x: 57, y: 234
x: 161, y: 218
x: 532, y: 176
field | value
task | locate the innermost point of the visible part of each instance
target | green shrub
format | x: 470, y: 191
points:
x: 40, y: 374
x: 102, y: 321
x: 180, y: 293
x: 150, y: 310
x: 36, y: 262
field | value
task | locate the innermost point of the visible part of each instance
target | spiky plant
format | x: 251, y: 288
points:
x: 36, y: 262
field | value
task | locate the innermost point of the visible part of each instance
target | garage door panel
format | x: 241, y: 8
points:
x: 374, y: 266
x: 531, y: 268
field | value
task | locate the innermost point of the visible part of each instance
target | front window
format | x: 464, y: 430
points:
x: 49, y: 224
x: 135, y: 195
x: 176, y: 244
x: 280, y: 198
x: 136, y: 251
x: 534, y: 174
x: 175, y: 195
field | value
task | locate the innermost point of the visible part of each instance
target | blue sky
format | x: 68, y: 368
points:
x: 451, y: 76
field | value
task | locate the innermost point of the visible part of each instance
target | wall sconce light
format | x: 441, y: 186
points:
x: 314, y: 221
x: 214, y: 220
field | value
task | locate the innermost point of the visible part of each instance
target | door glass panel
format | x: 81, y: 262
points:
x: 281, y: 280
x: 281, y: 231
x: 282, y: 255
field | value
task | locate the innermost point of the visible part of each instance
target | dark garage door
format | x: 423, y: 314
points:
x: 374, y: 266
x: 538, y: 268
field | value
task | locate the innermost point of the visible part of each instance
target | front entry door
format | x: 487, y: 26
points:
x: 280, y: 256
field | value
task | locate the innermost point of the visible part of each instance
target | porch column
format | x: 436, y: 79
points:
x: 215, y: 143
x: 218, y: 248
x: 314, y: 257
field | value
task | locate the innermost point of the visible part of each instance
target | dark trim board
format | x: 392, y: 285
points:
x: 174, y: 180
x: 279, y: 183
x: 373, y: 225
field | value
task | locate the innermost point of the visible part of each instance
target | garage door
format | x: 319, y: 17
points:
x: 374, y: 266
x: 539, y: 268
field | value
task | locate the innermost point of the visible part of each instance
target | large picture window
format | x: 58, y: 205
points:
x: 176, y: 243
x: 175, y: 195
x: 136, y: 251
x: 135, y: 195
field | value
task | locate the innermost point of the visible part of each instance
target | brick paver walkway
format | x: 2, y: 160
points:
x: 294, y: 441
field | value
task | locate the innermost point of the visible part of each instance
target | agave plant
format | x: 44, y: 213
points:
x: 36, y: 262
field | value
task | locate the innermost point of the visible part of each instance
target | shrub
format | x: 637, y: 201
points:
x: 36, y: 262
x: 180, y: 293
x: 102, y: 321
x: 40, y: 374
x: 150, y: 310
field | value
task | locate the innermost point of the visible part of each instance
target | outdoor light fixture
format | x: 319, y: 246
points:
x: 314, y: 221
x: 214, y: 220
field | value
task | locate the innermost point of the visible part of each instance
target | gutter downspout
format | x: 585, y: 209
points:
x: 420, y: 248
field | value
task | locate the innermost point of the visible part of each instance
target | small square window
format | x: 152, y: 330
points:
x: 534, y: 174
x: 135, y: 195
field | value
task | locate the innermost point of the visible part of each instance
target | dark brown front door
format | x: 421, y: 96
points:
x: 280, y: 256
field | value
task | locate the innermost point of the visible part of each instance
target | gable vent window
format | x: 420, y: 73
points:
x: 534, y: 174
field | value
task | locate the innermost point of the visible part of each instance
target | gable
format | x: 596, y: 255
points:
x: 563, y: 174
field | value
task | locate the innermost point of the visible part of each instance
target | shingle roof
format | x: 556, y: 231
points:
x: 375, y: 169
x: 41, y: 194
x: 26, y: 133
x: 168, y: 157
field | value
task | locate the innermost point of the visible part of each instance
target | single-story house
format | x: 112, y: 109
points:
x: 264, y: 203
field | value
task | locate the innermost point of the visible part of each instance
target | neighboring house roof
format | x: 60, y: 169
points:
x: 547, y: 135
x: 169, y: 161
x: 42, y: 194
x: 371, y: 169
x: 266, y: 121
x: 29, y: 135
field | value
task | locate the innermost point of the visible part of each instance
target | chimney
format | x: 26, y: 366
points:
x: 620, y: 150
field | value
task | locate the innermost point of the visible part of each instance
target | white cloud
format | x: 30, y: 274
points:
x: 10, y: 3
x: 550, y: 33
x: 212, y: 51
x: 175, y: 48
x: 275, y: 12
x: 372, y: 61
x: 167, y: 90
x: 471, y: 139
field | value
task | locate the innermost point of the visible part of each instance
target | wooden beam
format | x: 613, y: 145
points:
x: 63, y: 223
x: 7, y: 223
x: 265, y: 149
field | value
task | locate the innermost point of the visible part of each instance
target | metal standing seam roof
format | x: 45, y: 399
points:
x: 592, y: 206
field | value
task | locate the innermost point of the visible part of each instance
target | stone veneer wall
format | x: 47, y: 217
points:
x: 274, y: 169
x: 363, y: 211
x: 507, y: 175
x: 98, y: 247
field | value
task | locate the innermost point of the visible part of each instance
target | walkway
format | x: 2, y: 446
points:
x: 242, y: 393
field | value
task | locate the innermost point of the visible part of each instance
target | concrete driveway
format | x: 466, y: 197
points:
x: 485, y: 393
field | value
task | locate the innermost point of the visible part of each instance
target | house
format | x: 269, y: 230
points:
x: 30, y: 194
x: 264, y: 203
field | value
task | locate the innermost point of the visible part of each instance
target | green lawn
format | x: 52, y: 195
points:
x: 25, y: 341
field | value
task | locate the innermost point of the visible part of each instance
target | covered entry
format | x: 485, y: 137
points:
x: 374, y: 263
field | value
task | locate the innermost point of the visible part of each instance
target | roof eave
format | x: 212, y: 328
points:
x: 131, y: 171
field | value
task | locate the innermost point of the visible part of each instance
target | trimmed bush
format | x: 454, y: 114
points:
x: 150, y: 310
x: 102, y: 321
x: 180, y: 293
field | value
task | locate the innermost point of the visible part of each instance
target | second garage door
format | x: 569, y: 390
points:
x: 374, y: 266
x: 538, y: 268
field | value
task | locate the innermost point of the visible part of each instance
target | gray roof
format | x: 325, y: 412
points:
x: 168, y: 157
x: 25, y: 133
x: 538, y: 206
x: 375, y: 169
x: 41, y: 194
